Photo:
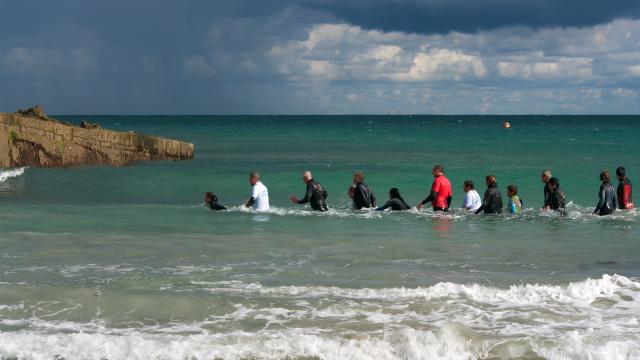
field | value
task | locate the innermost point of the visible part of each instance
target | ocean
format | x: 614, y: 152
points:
x: 128, y: 263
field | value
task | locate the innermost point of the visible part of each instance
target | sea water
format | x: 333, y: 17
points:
x: 127, y: 263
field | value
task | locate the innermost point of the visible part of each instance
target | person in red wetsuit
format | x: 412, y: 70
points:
x: 625, y: 200
x: 441, y: 194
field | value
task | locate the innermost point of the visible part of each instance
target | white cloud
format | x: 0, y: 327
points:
x: 624, y: 93
x: 538, y: 67
x: 341, y: 51
x: 323, y: 70
x: 566, y: 69
x: 441, y: 64
x: 330, y: 35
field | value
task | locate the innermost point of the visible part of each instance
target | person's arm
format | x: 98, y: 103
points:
x: 562, y: 199
x: 485, y: 202
x: 626, y: 194
x: 449, y: 200
x: 307, y: 195
x: 217, y: 206
x: 547, y: 198
x: 373, y: 199
x: 254, y: 196
x: 432, y: 195
x: 601, y: 200
x: 467, y: 202
x: 512, y: 206
x: 615, y: 200
x: 385, y: 206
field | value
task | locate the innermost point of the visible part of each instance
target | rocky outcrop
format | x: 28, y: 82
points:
x: 30, y: 138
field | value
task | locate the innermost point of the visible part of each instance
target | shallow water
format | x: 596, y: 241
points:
x: 127, y: 263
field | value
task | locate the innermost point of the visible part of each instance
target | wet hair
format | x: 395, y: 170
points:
x: 554, y: 181
x: 254, y: 175
x: 604, y: 176
x: 469, y: 184
x: 491, y: 179
x: 513, y: 189
x: 620, y: 171
x: 438, y: 168
x: 211, y: 196
x: 395, y: 193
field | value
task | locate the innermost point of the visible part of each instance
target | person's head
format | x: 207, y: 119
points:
x: 210, y: 197
x: 358, y: 177
x: 306, y: 176
x: 620, y: 173
x: 604, y: 176
x: 254, y: 177
x: 437, y: 170
x: 512, y: 190
x: 554, y: 183
x: 468, y: 185
x: 394, y: 193
x: 545, y: 176
x: 490, y: 180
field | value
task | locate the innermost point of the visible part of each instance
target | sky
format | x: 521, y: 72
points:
x: 321, y: 56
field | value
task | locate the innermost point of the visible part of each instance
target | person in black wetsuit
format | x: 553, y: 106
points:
x: 315, y: 195
x: 625, y: 190
x: 361, y: 193
x: 212, y: 201
x: 544, y: 177
x: 557, y: 197
x: 492, y: 200
x: 607, y: 195
x: 396, y: 202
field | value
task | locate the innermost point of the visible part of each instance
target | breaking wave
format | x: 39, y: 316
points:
x: 7, y: 174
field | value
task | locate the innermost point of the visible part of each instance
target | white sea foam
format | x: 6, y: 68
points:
x: 7, y: 174
x: 574, y: 212
x: 583, y: 292
x: 594, y: 318
x: 451, y: 341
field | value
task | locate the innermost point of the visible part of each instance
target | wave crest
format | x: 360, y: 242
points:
x: 7, y: 174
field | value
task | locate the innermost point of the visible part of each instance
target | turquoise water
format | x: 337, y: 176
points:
x: 114, y: 263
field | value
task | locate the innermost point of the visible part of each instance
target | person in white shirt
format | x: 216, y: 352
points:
x: 259, y: 194
x: 472, y: 201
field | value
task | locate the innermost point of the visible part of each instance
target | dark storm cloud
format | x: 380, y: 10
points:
x: 443, y: 16
x: 313, y: 56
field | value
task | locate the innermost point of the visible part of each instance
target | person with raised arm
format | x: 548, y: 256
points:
x: 315, y: 194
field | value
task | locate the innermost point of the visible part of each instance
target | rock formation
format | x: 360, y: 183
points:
x: 30, y: 138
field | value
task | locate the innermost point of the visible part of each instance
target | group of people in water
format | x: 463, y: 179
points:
x: 441, y: 195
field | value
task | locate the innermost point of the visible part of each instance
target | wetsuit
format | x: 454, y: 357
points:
x: 492, y: 201
x: 558, y: 201
x: 395, y: 204
x: 316, y: 196
x: 441, y: 194
x: 547, y: 195
x: 213, y: 205
x: 607, y: 203
x: 625, y: 200
x: 515, y: 205
x: 363, y: 197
